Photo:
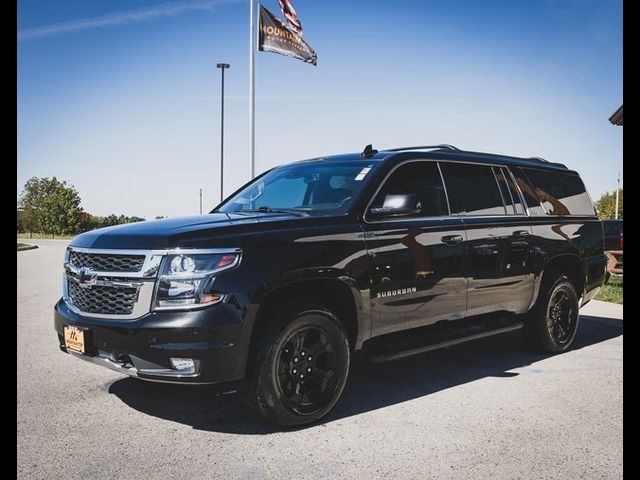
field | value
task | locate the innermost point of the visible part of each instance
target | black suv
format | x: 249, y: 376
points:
x: 391, y: 253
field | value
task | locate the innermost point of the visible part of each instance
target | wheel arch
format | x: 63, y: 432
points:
x: 338, y: 294
x: 567, y: 264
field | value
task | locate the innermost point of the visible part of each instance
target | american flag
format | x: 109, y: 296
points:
x: 291, y: 16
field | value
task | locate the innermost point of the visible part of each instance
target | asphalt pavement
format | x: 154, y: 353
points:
x: 489, y: 409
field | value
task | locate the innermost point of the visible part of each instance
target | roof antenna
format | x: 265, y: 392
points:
x: 369, y: 151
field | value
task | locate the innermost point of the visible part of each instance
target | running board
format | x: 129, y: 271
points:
x: 394, y: 355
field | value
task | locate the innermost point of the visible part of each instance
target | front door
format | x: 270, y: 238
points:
x: 416, y: 251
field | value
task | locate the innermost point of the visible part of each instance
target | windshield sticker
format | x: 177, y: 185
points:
x: 363, y: 173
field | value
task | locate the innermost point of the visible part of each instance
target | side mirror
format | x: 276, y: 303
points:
x: 397, y: 206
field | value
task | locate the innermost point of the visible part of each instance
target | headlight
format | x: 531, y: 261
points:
x: 186, y: 280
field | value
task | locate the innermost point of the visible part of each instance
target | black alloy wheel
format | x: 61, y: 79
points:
x: 306, y: 370
x: 299, y: 367
x: 552, y: 323
x: 560, y: 317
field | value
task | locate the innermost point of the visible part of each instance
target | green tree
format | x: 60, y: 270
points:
x: 119, y: 220
x: 31, y: 204
x: 606, y: 206
x: 50, y: 206
x: 91, y: 222
x: 110, y: 220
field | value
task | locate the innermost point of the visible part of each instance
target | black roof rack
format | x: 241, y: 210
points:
x: 444, y: 146
x: 538, y: 159
x: 424, y: 147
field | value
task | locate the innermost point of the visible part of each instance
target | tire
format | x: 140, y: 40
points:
x: 552, y: 323
x: 299, y: 367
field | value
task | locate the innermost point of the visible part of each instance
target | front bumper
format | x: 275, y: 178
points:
x: 213, y: 337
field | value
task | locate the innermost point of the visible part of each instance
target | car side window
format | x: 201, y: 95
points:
x: 514, y: 192
x: 504, y: 190
x: 472, y: 189
x: 528, y: 192
x: 561, y: 193
x: 421, y: 183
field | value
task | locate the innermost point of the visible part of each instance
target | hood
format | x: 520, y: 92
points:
x: 174, y: 232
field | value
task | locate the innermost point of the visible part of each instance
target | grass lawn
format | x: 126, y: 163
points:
x: 42, y: 236
x: 25, y: 246
x: 612, y: 290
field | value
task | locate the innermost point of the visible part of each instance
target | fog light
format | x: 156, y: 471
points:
x: 183, y: 365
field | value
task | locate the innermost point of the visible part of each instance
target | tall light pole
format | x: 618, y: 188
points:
x: 222, y: 67
x: 252, y: 89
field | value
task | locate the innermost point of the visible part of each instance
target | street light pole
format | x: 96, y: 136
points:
x: 222, y: 67
x: 252, y: 88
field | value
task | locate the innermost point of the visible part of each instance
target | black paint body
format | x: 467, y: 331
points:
x: 396, y: 274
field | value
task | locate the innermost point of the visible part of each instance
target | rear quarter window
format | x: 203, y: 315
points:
x: 560, y: 193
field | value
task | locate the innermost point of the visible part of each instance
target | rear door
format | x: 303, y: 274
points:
x: 498, y: 245
x: 417, y: 259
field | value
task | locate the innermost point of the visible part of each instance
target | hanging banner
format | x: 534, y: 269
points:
x: 276, y: 37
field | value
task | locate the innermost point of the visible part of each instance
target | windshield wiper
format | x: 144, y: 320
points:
x: 291, y: 211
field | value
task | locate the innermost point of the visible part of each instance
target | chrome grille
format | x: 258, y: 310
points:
x: 116, y: 284
x: 110, y: 283
x: 107, y: 262
x: 103, y: 300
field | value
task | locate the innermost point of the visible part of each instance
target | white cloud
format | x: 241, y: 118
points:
x: 143, y: 14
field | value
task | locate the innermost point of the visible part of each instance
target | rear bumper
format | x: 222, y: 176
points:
x: 213, y: 338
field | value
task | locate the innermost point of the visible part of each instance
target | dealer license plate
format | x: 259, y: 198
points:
x: 74, y: 339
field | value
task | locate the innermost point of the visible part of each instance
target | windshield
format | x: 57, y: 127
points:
x: 315, y: 188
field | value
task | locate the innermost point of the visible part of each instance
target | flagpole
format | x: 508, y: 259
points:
x: 252, y: 89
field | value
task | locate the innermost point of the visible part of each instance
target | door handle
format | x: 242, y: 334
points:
x: 521, y: 233
x: 452, y: 239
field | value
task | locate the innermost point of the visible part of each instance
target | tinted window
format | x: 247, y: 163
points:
x: 504, y: 190
x: 517, y: 203
x: 419, y: 180
x: 528, y: 192
x: 472, y: 189
x: 560, y: 193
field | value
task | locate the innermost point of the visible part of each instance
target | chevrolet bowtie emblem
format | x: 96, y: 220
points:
x: 86, y: 277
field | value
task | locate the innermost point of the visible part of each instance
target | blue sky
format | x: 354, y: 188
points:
x: 121, y: 98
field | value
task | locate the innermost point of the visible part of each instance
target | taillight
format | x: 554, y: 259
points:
x: 620, y: 242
